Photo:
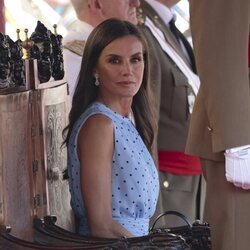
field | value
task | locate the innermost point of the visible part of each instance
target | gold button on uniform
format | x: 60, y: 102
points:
x: 166, y: 184
x: 209, y: 128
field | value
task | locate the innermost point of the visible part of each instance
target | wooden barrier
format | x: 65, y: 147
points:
x: 31, y: 158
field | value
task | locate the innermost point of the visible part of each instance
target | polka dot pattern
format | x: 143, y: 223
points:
x: 135, y: 183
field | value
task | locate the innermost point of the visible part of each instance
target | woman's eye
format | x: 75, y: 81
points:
x: 136, y: 59
x: 114, y: 60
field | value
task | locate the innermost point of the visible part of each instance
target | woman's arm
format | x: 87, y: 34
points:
x: 95, y: 150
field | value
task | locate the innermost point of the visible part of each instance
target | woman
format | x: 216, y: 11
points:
x: 113, y: 180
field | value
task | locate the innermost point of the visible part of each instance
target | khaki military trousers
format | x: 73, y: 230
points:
x: 227, y: 209
x: 177, y: 193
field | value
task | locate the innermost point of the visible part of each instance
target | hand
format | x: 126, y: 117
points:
x: 238, y: 168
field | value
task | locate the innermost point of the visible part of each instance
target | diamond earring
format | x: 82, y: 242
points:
x: 97, y: 83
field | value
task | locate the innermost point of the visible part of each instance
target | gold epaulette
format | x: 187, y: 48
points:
x: 76, y: 46
x: 140, y: 16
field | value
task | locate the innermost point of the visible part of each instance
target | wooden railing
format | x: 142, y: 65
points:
x: 31, y: 158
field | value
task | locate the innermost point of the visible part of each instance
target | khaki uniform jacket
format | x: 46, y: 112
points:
x: 170, y: 86
x: 171, y: 90
x: 221, y: 115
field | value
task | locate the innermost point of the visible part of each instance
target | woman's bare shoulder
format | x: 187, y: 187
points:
x: 97, y: 125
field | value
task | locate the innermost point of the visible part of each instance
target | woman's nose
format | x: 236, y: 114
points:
x: 127, y: 69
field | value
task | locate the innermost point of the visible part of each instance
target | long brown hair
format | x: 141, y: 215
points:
x: 86, y: 92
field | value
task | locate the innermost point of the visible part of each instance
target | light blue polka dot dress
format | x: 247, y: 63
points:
x: 135, y: 183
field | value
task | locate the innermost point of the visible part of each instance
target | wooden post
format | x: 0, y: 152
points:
x: 2, y: 17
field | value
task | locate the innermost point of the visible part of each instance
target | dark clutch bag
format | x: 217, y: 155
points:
x: 154, y: 240
x: 197, y: 235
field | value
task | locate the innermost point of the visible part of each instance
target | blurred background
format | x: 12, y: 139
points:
x: 21, y: 14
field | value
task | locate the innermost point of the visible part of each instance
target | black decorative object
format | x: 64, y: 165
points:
x: 17, y: 59
x: 57, y: 56
x: 16, y: 62
x: 5, y: 66
x: 42, y: 51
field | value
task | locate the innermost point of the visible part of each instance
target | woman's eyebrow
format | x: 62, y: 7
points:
x: 116, y: 55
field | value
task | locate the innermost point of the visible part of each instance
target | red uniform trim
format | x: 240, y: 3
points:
x: 179, y: 163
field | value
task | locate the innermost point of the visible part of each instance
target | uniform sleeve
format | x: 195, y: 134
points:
x: 72, y: 65
x: 220, y: 31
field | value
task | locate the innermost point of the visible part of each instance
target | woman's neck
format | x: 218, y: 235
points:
x: 123, y: 107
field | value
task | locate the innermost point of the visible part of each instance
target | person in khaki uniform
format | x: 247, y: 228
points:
x: 220, y: 126
x: 174, y: 91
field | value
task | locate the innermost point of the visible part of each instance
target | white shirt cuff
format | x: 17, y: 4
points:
x: 236, y: 149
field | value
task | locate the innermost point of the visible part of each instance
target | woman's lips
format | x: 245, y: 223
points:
x: 126, y: 82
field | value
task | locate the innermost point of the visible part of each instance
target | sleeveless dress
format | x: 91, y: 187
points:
x: 135, y: 183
